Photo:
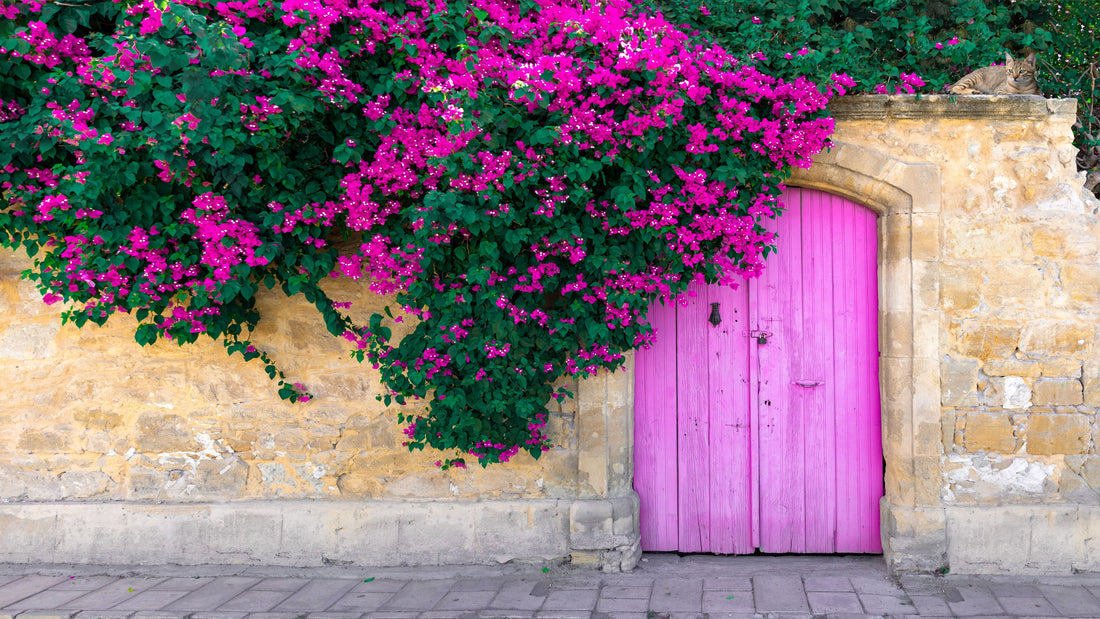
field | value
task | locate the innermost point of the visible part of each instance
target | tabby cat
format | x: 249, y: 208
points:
x: 1016, y: 77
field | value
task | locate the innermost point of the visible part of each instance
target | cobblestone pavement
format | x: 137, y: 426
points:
x: 664, y: 586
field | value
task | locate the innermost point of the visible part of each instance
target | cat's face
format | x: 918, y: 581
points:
x: 1019, y: 68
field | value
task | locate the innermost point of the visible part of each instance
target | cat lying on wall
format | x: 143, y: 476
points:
x: 1015, y: 77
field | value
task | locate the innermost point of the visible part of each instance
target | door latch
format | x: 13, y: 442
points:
x: 761, y: 336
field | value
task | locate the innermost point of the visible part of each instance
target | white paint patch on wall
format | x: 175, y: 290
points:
x: 967, y: 473
x: 1017, y: 394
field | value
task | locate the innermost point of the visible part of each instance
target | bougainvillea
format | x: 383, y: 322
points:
x: 525, y: 177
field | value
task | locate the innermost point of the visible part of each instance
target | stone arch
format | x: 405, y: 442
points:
x: 907, y: 198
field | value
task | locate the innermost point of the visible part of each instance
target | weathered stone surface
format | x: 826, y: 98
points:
x: 988, y: 432
x: 1012, y: 367
x: 1057, y: 392
x: 959, y: 381
x: 1058, y: 434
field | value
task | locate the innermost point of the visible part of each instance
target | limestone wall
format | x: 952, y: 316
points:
x: 989, y: 283
x: 187, y: 455
x: 991, y: 363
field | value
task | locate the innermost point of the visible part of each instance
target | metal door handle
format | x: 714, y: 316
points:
x: 809, y: 383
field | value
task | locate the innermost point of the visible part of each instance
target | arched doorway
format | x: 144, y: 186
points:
x: 763, y: 431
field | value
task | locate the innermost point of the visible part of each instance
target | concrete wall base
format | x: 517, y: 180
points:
x: 1024, y: 539
x: 601, y: 533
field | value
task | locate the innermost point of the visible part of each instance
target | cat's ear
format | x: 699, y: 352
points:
x: 1008, y: 59
x: 1031, y: 59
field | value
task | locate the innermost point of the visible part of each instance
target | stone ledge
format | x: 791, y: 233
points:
x: 316, y: 533
x: 1000, y: 107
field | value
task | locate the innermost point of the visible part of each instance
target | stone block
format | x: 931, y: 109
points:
x: 1011, y: 366
x: 1090, y: 381
x: 1057, y: 392
x: 1061, y: 368
x: 1057, y: 434
x: 959, y: 381
x: 29, y: 341
x: 1015, y: 393
x: 1082, y: 284
x: 160, y: 432
x: 988, y: 432
x: 1056, y: 338
x: 1024, y: 539
x: 981, y: 339
x: 84, y: 484
x: 959, y: 289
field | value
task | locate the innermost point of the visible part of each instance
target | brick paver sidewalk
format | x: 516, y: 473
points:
x: 663, y: 586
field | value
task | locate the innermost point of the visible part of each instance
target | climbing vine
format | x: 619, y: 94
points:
x: 525, y: 177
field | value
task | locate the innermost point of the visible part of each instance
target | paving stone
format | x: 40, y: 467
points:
x: 727, y: 583
x: 446, y: 614
x: 25, y: 587
x: 159, y: 614
x: 1072, y: 601
x: 1014, y: 590
x: 921, y: 584
x: 563, y: 614
x: 255, y: 600
x: 214, y: 594
x: 380, y: 585
x: 316, y: 596
x: 887, y: 604
x: 148, y: 601
x: 217, y: 615
x: 334, y: 615
x: 50, y: 598
x: 480, y: 584
x: 727, y: 601
x: 827, y: 583
x: 419, y: 595
x: 280, y: 584
x: 361, y: 601
x: 506, y: 614
x: 736, y: 615
x: 84, y: 583
x: 103, y: 614
x: 181, y: 583
x: 465, y: 600
x: 398, y: 614
x: 969, y: 600
x: 622, y: 605
x: 880, y: 585
x: 109, y: 596
x: 1026, y: 606
x: 779, y: 593
x: 571, y: 599
x: 521, y: 595
x: 834, y: 602
x: 45, y: 614
x: 677, y: 595
x: 928, y: 605
x: 275, y: 615
x: 626, y: 592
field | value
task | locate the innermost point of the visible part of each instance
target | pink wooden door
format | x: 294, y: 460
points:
x: 764, y: 431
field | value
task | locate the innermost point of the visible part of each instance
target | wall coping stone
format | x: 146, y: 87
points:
x: 928, y: 107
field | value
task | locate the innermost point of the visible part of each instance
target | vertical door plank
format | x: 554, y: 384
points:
x: 812, y: 363
x: 655, y: 433
x: 693, y: 421
x: 859, y: 448
x: 781, y: 452
x: 731, y: 512
x: 868, y: 362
